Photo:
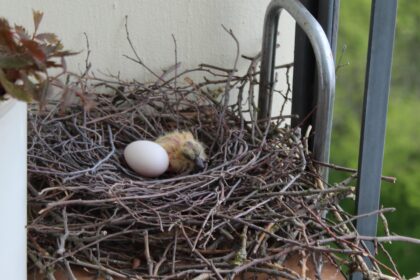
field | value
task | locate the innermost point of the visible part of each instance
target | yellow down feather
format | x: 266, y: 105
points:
x: 185, y: 153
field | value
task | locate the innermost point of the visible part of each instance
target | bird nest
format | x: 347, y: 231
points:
x: 259, y: 199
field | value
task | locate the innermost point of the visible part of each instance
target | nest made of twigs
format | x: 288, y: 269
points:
x: 259, y: 198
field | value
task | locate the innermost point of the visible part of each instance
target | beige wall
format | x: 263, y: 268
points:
x: 196, y: 25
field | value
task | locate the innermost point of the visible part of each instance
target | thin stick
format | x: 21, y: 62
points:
x: 388, y: 179
x: 147, y: 252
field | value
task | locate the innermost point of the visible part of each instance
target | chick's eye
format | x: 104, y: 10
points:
x: 189, y: 153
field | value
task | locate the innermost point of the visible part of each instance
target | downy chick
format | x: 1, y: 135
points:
x: 185, y: 153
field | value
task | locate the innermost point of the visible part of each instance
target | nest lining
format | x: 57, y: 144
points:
x: 260, y: 197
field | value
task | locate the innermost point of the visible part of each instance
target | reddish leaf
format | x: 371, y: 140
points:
x: 53, y: 64
x: 12, y: 75
x: 64, y: 53
x: 6, y: 35
x: 35, y: 51
x: 37, y: 19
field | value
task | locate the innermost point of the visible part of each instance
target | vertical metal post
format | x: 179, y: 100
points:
x: 375, y: 104
x: 305, y: 94
x: 325, y: 66
x: 328, y: 12
x: 304, y: 84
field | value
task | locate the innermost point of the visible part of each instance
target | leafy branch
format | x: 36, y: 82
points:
x: 26, y: 58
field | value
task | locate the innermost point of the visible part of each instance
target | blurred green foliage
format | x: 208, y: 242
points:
x: 402, y: 145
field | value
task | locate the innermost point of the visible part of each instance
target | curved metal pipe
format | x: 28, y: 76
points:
x: 325, y: 65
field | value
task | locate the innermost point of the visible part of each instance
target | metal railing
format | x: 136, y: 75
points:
x: 375, y: 105
x: 378, y: 74
x: 324, y: 62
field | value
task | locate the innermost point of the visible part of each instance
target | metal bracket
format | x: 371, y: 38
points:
x: 325, y: 64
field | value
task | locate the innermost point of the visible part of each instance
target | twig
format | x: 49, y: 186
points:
x: 210, y: 264
x: 98, y: 267
x: 173, y: 267
x: 217, y: 67
x: 147, y: 252
x: 69, y: 270
x: 388, y: 179
x: 380, y: 239
x: 138, y: 60
x: 62, y: 244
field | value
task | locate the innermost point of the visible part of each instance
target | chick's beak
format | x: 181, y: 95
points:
x: 199, y: 162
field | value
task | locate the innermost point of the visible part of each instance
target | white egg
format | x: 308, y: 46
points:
x: 147, y: 158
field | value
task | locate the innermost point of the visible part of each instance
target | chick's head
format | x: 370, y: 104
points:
x: 194, y: 151
x: 184, y: 151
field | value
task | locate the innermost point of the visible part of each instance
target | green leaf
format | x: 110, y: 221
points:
x: 14, y: 61
x: 16, y: 91
x: 28, y: 85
